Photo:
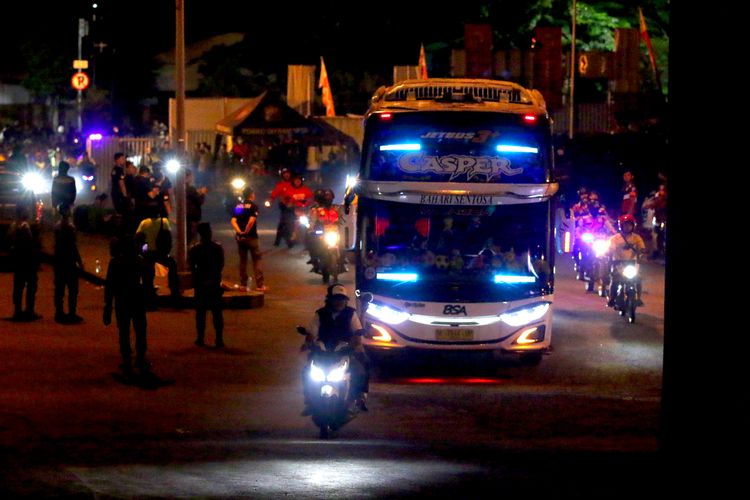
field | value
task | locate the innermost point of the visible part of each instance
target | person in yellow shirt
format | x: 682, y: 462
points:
x: 624, y: 245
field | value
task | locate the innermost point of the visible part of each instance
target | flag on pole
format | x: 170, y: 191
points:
x: 326, y: 86
x: 422, y: 63
x: 644, y: 34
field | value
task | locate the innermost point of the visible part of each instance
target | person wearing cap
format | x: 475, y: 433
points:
x: 335, y: 322
x: 244, y: 223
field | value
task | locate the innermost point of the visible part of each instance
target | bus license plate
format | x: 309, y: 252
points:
x: 454, y: 334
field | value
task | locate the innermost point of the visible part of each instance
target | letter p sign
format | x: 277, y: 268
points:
x: 80, y: 81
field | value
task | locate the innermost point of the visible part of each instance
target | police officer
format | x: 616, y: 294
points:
x: 245, y: 225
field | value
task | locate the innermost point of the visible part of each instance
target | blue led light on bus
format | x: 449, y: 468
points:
x: 513, y: 278
x: 509, y: 148
x: 397, y: 276
x: 401, y: 147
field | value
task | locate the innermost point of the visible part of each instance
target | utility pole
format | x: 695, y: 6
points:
x: 572, y: 69
x: 83, y: 30
x: 181, y: 146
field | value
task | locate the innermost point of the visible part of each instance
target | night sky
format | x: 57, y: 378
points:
x: 349, y: 34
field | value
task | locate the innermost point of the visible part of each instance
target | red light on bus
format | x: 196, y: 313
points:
x: 385, y: 116
x: 529, y: 118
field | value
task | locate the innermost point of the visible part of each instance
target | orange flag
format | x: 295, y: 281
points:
x: 326, y: 86
x: 422, y: 63
x: 644, y: 34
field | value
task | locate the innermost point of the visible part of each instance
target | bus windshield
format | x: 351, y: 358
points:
x: 446, y: 146
x: 455, y: 253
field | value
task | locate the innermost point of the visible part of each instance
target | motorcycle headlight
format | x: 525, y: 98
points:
x: 317, y: 374
x: 525, y: 315
x: 238, y: 183
x: 600, y: 247
x: 331, y: 238
x: 337, y: 374
x: 304, y: 221
x: 387, y: 314
x: 630, y: 271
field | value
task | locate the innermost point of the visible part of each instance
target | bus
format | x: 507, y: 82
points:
x: 455, y: 219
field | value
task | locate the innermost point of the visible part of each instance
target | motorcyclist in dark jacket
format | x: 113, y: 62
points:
x: 336, y: 322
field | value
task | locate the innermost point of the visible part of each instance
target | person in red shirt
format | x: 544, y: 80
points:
x: 629, y: 194
x: 296, y: 199
x: 280, y: 191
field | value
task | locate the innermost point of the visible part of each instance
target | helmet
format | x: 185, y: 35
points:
x: 583, y: 190
x: 319, y: 196
x: 284, y: 171
x: 625, y: 218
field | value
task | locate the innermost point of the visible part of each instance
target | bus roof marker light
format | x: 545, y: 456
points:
x: 511, y: 148
x: 385, y: 116
x: 401, y: 147
x: 529, y: 118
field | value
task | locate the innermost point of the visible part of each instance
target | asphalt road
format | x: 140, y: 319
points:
x: 583, y: 423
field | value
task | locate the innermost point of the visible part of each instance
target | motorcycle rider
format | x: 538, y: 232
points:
x: 279, y: 191
x: 336, y: 321
x: 624, y: 245
x: 322, y: 213
x: 296, y: 199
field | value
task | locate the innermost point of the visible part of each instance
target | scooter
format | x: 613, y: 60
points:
x: 328, y: 385
x: 625, y: 272
x: 592, y: 260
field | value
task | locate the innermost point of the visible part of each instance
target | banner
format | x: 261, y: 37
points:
x: 326, y: 86
x: 644, y: 34
x: 422, y: 63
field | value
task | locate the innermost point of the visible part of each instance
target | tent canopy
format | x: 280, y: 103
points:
x: 265, y: 115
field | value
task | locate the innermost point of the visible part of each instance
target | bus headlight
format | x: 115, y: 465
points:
x: 525, y: 315
x: 386, y: 314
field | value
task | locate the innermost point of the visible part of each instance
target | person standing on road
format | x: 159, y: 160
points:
x: 125, y: 288
x: 155, y: 232
x: 206, y: 262
x: 118, y: 191
x: 194, y: 198
x: 244, y: 223
x: 284, y: 229
x: 67, y: 265
x: 25, y: 253
x: 63, y: 188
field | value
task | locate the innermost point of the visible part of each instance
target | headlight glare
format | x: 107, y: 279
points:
x: 525, y: 315
x: 386, y: 313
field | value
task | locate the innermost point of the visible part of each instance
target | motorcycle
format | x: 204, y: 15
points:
x: 325, y: 251
x: 328, y: 384
x: 625, y: 272
x: 591, y: 255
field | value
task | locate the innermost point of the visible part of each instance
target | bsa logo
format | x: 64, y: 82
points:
x: 454, y: 310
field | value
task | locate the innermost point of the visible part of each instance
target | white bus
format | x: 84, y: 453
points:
x: 455, y: 219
